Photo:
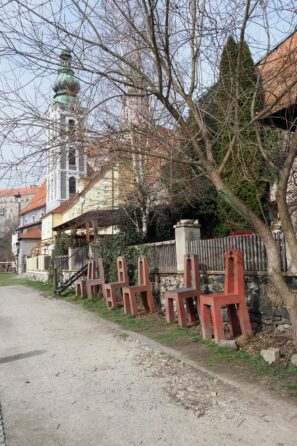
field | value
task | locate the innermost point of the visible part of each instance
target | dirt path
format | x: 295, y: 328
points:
x: 69, y: 378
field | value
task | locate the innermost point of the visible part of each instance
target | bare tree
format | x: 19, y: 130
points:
x: 180, y: 45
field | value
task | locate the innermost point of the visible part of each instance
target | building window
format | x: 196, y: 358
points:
x: 71, y: 158
x: 71, y: 128
x: 33, y: 218
x: 72, y: 185
x: 2, y: 211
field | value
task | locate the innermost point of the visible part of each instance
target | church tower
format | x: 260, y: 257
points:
x: 136, y: 106
x: 66, y: 160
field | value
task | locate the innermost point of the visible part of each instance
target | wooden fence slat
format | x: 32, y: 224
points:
x: 211, y: 251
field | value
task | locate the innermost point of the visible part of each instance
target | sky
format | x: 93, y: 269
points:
x: 30, y: 86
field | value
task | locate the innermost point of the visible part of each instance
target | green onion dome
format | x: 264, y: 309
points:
x: 66, y: 85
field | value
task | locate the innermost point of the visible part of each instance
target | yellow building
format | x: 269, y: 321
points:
x: 95, y: 210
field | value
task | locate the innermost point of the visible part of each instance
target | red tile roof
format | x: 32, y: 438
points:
x: 64, y: 205
x: 278, y: 74
x: 20, y: 190
x: 35, y: 234
x: 37, y: 201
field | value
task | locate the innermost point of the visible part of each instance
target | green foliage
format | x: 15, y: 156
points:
x: 63, y: 242
x: 121, y: 245
x: 243, y: 172
x: 226, y: 109
x: 191, y: 195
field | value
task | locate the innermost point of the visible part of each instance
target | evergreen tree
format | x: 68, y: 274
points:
x: 244, y: 170
x: 226, y: 109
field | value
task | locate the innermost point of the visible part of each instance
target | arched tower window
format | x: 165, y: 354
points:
x: 71, y: 158
x: 72, y: 185
x: 71, y: 129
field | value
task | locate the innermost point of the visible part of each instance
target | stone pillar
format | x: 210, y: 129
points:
x: 72, y: 259
x: 185, y: 231
x: 41, y: 263
x: 276, y: 228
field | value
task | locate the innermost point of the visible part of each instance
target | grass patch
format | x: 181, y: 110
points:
x: 151, y: 325
x: 7, y: 279
x: 123, y: 336
x: 291, y: 386
x: 10, y: 279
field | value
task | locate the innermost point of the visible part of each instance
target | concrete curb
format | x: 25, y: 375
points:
x: 2, y: 432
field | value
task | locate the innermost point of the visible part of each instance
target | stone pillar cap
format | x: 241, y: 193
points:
x: 187, y: 223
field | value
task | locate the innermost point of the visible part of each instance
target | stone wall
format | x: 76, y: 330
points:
x: 40, y: 276
x: 264, y: 310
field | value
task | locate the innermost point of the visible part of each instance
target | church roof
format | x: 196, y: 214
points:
x: 38, y: 201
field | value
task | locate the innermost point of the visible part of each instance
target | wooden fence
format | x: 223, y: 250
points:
x: 162, y: 256
x: 211, y: 251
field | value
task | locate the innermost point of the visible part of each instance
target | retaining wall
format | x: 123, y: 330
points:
x: 265, y: 312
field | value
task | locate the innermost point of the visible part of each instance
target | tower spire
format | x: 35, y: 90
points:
x: 66, y: 85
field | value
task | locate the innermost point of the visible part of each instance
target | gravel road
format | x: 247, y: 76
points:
x: 68, y: 377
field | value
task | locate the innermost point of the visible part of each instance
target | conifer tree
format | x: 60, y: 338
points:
x: 226, y: 109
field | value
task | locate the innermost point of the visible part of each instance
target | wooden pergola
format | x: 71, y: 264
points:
x: 89, y: 222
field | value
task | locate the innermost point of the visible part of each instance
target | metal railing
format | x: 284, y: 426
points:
x: 77, y: 260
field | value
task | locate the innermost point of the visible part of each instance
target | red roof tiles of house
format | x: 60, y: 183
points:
x: 38, y: 201
x: 278, y: 72
x: 64, y: 205
x: 35, y: 234
x: 19, y: 191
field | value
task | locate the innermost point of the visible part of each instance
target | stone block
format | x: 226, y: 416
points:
x: 294, y: 359
x: 270, y: 355
x: 231, y: 344
x: 280, y: 329
x: 285, y: 313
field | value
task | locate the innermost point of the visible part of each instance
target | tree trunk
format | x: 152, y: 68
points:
x: 273, y: 255
x: 288, y: 297
x: 292, y: 309
x: 144, y: 221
